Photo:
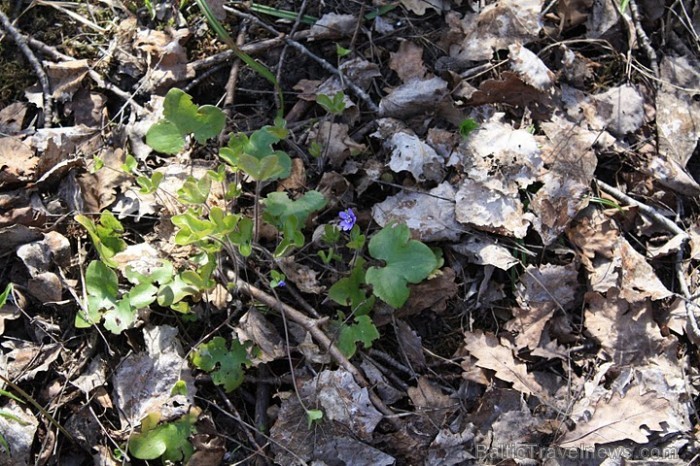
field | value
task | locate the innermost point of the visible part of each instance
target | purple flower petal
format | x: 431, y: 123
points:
x: 347, y: 219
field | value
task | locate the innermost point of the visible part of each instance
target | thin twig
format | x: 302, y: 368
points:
x: 313, y: 327
x: 283, y: 54
x: 643, y: 38
x: 36, y: 65
x: 359, y: 92
x: 232, y: 82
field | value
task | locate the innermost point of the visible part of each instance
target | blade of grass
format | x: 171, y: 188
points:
x: 283, y: 14
x: 247, y: 59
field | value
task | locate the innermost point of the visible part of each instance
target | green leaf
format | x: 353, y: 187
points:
x: 5, y: 294
x: 407, y: 261
x: 175, y: 291
x: 141, y: 296
x: 348, y: 291
x: 467, y: 126
x: 363, y: 330
x: 333, y: 105
x: 278, y: 207
x: 205, y: 122
x: 313, y: 415
x: 256, y: 156
x: 170, y: 440
x: 165, y: 137
x: 120, y: 317
x: 224, y: 365
x: 195, y: 191
x: 101, y: 283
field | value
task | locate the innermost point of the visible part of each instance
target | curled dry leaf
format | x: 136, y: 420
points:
x: 430, y: 216
x: 419, y: 7
x: 497, y: 26
x: 413, y: 97
x: 301, y: 275
x: 408, y: 61
x: 483, y: 250
x: 677, y: 112
x: 143, y: 382
x: 529, y: 68
x: 335, y: 142
x: 511, y: 90
x: 333, y: 26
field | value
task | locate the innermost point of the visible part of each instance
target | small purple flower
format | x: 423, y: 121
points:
x: 347, y: 219
x: 281, y: 283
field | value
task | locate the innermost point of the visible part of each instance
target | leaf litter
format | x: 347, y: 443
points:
x: 522, y: 301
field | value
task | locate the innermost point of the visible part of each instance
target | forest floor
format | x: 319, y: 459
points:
x: 440, y: 232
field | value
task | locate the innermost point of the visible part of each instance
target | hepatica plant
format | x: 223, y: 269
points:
x: 114, y: 298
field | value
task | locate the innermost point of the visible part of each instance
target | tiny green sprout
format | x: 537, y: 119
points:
x: 467, y: 126
x: 341, y: 51
x: 315, y: 149
x: 334, y: 105
x: 98, y: 163
x: 313, y: 415
x: 277, y: 279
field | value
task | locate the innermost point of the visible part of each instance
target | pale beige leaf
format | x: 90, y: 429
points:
x: 492, y: 354
x: 408, y: 61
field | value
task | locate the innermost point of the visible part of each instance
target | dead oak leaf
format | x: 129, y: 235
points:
x: 497, y: 356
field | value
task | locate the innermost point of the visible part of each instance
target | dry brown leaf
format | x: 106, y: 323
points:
x: 419, y: 7
x: 511, y: 90
x: 573, y: 12
x: 568, y: 152
x: 431, y: 294
x: 296, y: 179
x: 414, y: 97
x: 430, y: 401
x: 408, y: 61
x: 301, y: 275
x: 12, y: 118
x: 336, y: 144
x: 410, y: 344
x: 492, y: 354
x: 542, y: 291
x: 677, y: 112
x: 255, y: 328
x: 627, y: 332
x: 66, y: 78
x: 143, y: 382
x: 483, y: 250
x: 333, y: 26
x: 430, y: 216
x: 618, y: 418
x: 529, y: 68
x: 497, y: 26
x: 165, y: 57
x: 18, y: 164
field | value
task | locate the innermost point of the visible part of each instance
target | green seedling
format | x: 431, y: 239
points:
x: 255, y: 155
x: 225, y: 365
x: 341, y: 51
x: 349, y: 291
x: 105, y: 235
x: 467, y: 126
x: 168, y: 441
x: 361, y: 330
x: 334, y: 105
x: 406, y: 261
x: 357, y: 239
x: 182, y: 118
x: 313, y: 415
x: 282, y: 14
x: 278, y: 279
x: 290, y: 216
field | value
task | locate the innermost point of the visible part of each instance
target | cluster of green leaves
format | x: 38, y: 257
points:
x: 168, y: 441
x: 404, y: 260
x: 397, y: 260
